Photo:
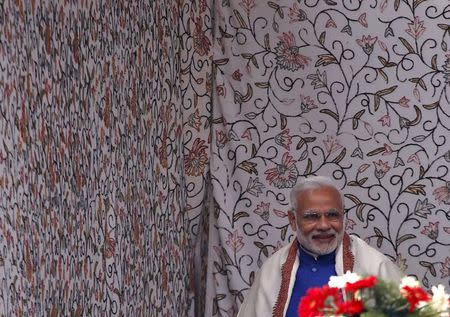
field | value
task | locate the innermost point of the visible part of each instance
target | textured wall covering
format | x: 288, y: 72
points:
x: 91, y: 163
x: 121, y: 122
x: 358, y: 90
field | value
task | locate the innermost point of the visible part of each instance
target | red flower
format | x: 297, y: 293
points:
x: 284, y: 175
x: 364, y: 283
x: 442, y: 194
x: 414, y: 295
x: 385, y: 120
x: 201, y: 41
x: 350, y: 308
x: 288, y: 56
x: 313, y: 302
x: 432, y: 230
x: 237, y: 75
x: 196, y: 160
x: 416, y: 28
x: 284, y: 139
x: 235, y: 241
x: 362, y: 20
x: 367, y: 43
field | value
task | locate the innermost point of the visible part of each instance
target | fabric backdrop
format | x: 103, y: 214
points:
x: 92, y: 193
x: 148, y: 147
x: 356, y: 90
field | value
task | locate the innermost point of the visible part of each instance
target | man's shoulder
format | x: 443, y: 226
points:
x: 362, y: 247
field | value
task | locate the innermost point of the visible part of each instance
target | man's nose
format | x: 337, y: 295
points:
x: 323, y: 223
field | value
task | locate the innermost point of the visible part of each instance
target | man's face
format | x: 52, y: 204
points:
x: 319, y: 220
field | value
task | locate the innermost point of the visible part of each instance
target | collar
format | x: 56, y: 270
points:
x: 286, y: 270
x: 306, y: 257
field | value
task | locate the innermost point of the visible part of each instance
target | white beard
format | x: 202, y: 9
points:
x: 309, y: 244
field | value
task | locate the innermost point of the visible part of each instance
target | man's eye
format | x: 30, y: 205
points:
x: 311, y: 216
x: 333, y: 215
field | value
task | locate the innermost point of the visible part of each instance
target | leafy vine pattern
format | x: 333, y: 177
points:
x: 91, y: 164
x: 357, y: 90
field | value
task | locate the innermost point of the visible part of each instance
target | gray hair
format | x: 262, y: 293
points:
x: 313, y: 182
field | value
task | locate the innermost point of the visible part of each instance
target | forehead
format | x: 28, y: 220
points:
x: 322, y: 198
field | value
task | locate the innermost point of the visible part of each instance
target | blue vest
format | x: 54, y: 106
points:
x: 310, y: 273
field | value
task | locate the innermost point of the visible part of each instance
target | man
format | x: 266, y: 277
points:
x: 322, y: 249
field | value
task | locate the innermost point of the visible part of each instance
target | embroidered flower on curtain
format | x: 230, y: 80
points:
x: 284, y: 175
x: 288, y: 56
x: 432, y: 230
x: 196, y: 160
x: 442, y: 194
x: 284, y: 139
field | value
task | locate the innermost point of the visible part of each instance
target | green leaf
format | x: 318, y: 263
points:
x: 353, y: 198
x: 259, y: 244
x: 240, y: 19
x: 419, y: 81
x: 322, y: 37
x: 379, y: 234
x: 359, y: 211
x: 280, y: 12
x: 249, y: 94
x: 376, y: 151
x: 396, y: 4
x: 339, y: 158
x: 308, y: 167
x: 354, y: 124
x: 383, y: 74
x: 266, y: 41
x: 331, y: 114
x: 415, y: 189
x: 249, y: 167
x: 221, y: 62
x: 407, y: 45
x: 226, y: 257
x: 239, y: 215
x: 263, y: 85
x: 254, y: 61
x: 283, y: 120
x: 431, y: 106
x: 252, y: 277
x: 273, y: 5
x: 254, y: 150
x: 283, y: 232
x: 359, y: 114
x: 386, y: 91
x: 326, y: 59
x: 362, y: 181
x: 429, y: 266
x: 300, y: 144
x: 433, y: 62
x: 404, y: 238
x: 382, y: 60
x: 444, y: 27
x: 309, y: 139
x: 377, y: 100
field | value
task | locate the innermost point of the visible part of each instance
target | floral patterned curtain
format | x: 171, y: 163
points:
x: 356, y: 90
x: 92, y: 219
x: 148, y: 148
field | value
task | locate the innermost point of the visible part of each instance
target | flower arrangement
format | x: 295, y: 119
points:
x: 353, y: 295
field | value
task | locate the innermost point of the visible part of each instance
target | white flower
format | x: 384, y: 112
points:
x: 440, y: 299
x: 409, y: 281
x: 341, y: 281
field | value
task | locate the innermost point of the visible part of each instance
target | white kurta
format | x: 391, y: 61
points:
x: 263, y: 294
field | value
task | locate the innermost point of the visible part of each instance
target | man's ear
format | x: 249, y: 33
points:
x: 292, y: 222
